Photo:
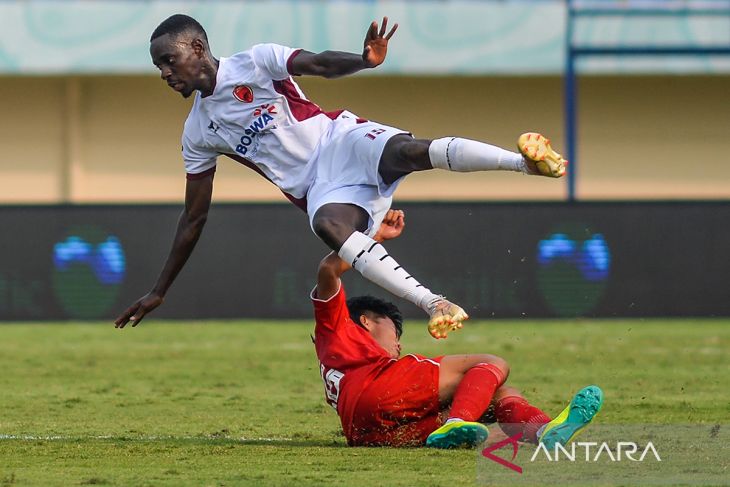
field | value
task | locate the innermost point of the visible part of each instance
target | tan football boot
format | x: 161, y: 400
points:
x: 445, y: 317
x: 541, y: 159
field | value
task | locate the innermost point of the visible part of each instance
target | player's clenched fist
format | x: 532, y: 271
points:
x: 392, y: 226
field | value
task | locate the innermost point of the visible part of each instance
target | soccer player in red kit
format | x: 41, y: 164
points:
x: 443, y: 402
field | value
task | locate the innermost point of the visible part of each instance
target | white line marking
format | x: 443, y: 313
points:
x: 133, y: 438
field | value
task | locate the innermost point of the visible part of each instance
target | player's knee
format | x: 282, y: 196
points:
x: 503, y: 366
x: 499, y: 363
x: 331, y: 230
x: 414, y: 151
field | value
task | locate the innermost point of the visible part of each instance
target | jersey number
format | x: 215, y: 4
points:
x: 374, y: 133
x: 331, y: 378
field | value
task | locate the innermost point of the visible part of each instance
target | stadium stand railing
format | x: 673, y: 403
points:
x: 647, y: 9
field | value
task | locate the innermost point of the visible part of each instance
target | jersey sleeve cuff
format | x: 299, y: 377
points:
x: 315, y: 299
x: 289, y: 65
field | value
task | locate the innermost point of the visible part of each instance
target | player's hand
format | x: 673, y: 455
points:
x: 376, y: 43
x: 138, y: 310
x: 392, y: 226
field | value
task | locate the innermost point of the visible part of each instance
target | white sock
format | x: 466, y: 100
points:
x: 371, y: 260
x: 452, y: 420
x: 540, y: 431
x: 464, y: 155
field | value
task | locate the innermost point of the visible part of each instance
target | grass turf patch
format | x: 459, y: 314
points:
x: 237, y: 403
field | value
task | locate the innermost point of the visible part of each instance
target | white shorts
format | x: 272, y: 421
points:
x: 347, y: 170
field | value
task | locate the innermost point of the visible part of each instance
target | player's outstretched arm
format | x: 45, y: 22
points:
x: 198, y: 194
x: 332, y: 267
x: 333, y: 64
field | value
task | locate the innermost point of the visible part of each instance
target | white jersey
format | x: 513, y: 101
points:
x: 257, y: 114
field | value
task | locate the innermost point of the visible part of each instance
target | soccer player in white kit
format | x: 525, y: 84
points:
x: 341, y: 169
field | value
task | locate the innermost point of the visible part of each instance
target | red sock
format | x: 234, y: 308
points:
x: 516, y: 415
x: 475, y: 391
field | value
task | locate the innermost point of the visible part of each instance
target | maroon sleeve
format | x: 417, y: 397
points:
x: 289, y: 61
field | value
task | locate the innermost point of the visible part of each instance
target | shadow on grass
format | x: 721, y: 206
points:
x: 192, y: 440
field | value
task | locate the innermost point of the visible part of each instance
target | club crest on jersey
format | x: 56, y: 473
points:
x: 243, y: 93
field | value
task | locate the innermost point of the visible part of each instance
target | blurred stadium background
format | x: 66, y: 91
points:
x: 86, y: 122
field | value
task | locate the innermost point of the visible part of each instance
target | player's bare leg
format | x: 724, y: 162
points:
x: 467, y: 383
x: 403, y: 155
x: 453, y: 368
x: 506, y: 391
x: 341, y: 227
x: 334, y: 223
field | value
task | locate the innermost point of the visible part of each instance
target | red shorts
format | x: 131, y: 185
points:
x: 400, y: 407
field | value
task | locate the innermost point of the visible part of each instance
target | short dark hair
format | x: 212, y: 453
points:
x: 359, y: 305
x: 178, y: 24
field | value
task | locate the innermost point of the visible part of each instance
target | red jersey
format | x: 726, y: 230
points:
x: 349, y: 356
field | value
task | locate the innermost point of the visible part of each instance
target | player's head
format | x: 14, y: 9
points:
x: 179, y: 48
x: 382, y: 319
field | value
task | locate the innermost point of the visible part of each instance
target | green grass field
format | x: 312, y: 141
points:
x: 241, y: 403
